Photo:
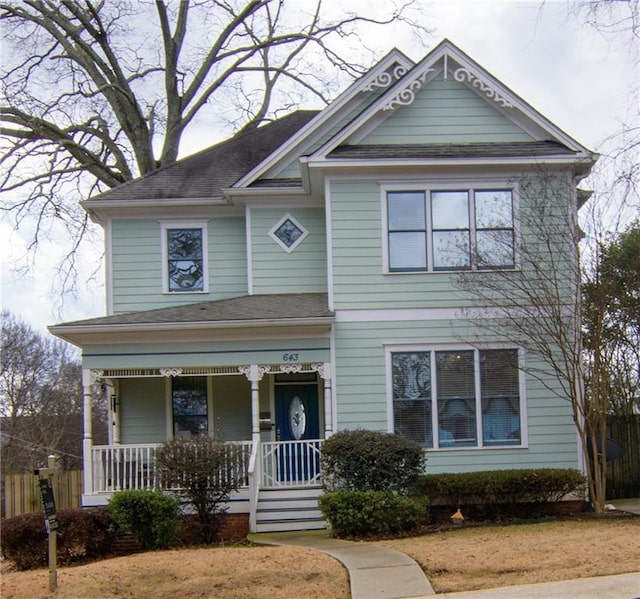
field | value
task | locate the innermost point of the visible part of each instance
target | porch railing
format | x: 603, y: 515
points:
x: 290, y: 463
x: 118, y: 467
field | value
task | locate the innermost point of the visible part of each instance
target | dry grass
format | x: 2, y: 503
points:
x: 455, y: 560
x: 487, y: 557
x: 224, y: 573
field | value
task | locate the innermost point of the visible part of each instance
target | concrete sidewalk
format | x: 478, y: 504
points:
x: 622, y: 586
x: 374, y: 572
x: 380, y: 573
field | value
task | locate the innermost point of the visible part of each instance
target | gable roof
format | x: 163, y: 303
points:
x: 207, y: 173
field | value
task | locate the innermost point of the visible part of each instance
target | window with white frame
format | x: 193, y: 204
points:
x: 457, y: 398
x: 450, y: 229
x: 184, y: 257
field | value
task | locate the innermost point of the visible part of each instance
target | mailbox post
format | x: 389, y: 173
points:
x: 51, y: 517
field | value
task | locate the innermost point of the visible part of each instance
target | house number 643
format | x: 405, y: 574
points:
x: 290, y: 357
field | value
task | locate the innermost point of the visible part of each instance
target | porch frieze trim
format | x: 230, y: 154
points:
x: 167, y: 372
x: 96, y: 375
x: 254, y: 372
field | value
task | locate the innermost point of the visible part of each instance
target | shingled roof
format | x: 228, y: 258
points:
x: 463, y: 151
x: 247, y: 308
x: 207, y: 173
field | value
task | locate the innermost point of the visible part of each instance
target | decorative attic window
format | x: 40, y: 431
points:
x: 288, y: 233
x: 184, y: 257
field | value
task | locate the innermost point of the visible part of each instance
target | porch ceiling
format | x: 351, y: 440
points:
x: 256, y: 312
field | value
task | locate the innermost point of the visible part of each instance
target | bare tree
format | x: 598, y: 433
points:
x: 40, y: 398
x: 96, y: 92
x: 537, y: 306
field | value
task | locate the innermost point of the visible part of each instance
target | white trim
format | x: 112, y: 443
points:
x: 334, y: 384
x: 296, y: 223
x: 399, y: 347
x: 108, y: 265
x: 329, y: 240
x: 315, y: 127
x: 184, y: 224
x: 248, y: 235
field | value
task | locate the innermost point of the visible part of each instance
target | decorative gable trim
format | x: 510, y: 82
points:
x: 311, y: 132
x: 407, y: 95
x: 448, y: 59
x: 385, y: 79
x: 464, y: 75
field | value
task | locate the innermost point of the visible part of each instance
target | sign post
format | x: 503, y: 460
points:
x: 51, y: 516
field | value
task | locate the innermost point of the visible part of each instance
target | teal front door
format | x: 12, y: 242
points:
x: 296, y: 421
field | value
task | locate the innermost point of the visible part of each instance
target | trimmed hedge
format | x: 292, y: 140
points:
x: 362, y: 513
x: 151, y: 516
x: 500, y: 491
x: 83, y: 534
x: 363, y: 460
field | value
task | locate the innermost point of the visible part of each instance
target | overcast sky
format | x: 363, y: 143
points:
x: 570, y: 73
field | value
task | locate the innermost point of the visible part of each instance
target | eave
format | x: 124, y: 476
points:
x: 83, y: 335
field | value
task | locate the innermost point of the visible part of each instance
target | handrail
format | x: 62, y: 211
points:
x: 254, y: 473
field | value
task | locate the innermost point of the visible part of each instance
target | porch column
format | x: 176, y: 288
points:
x: 254, y: 374
x: 324, y: 370
x: 113, y: 405
x: 87, y: 434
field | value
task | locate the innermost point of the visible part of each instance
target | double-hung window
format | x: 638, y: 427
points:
x: 189, y: 406
x: 450, y: 229
x: 457, y: 398
x: 184, y: 257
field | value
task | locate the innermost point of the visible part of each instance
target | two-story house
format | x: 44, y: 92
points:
x: 298, y: 279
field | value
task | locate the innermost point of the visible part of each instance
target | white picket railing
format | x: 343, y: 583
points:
x: 118, y: 467
x: 287, y: 464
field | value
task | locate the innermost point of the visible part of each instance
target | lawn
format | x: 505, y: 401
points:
x: 467, y: 558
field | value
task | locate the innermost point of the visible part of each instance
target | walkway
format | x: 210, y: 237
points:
x: 374, y: 572
x: 379, y: 573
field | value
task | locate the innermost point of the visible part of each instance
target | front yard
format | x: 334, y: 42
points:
x: 469, y: 558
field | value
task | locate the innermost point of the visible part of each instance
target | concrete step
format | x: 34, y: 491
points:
x: 290, y: 525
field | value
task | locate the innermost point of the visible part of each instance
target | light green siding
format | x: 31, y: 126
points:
x: 362, y: 401
x: 137, y: 264
x: 142, y: 405
x: 358, y: 231
x: 446, y: 112
x: 231, y: 408
x: 304, y: 270
x: 215, y: 353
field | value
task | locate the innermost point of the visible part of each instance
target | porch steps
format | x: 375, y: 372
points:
x: 281, y: 510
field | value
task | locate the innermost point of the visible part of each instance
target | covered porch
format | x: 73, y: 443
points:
x: 209, y: 369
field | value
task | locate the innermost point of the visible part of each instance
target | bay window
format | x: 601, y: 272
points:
x: 457, y: 398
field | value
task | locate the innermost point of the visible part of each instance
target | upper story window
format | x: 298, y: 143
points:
x: 450, y: 229
x: 457, y: 398
x: 184, y: 251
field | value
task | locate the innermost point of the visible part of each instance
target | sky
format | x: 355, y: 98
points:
x: 569, y: 72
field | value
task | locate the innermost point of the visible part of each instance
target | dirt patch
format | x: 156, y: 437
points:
x: 224, y: 572
x: 487, y: 557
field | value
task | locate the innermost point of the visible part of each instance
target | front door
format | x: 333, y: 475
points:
x: 296, y: 421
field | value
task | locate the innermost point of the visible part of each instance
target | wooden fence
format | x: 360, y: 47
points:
x: 22, y: 493
x: 623, y: 474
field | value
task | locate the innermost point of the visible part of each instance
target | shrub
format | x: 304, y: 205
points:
x: 202, y: 472
x: 151, y: 516
x: 82, y: 534
x: 500, y: 491
x: 361, y: 513
x: 361, y: 460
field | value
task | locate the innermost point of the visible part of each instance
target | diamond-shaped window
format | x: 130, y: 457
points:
x: 288, y: 233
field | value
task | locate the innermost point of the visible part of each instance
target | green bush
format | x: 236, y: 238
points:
x: 151, y: 516
x: 82, y: 534
x: 362, y: 513
x: 202, y: 472
x: 362, y: 460
x: 502, y: 489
